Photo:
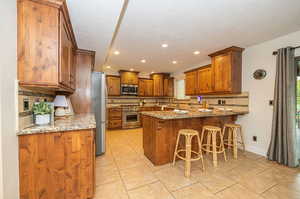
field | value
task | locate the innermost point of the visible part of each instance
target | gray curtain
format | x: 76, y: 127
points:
x: 283, y: 145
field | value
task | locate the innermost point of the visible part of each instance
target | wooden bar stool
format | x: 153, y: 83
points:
x: 211, y: 142
x: 232, y: 139
x: 189, y: 134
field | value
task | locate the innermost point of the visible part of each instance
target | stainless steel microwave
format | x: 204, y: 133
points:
x: 127, y: 89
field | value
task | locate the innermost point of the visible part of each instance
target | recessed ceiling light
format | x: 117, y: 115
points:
x: 174, y: 62
x: 131, y: 69
x: 164, y: 45
x: 116, y: 52
x: 108, y: 66
x: 197, y: 52
x: 143, y: 61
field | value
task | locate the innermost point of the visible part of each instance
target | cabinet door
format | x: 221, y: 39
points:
x: 204, y: 81
x: 72, y: 69
x: 158, y: 85
x: 129, y: 78
x: 142, y: 87
x: 190, y: 82
x: 222, y: 73
x: 113, y: 85
x: 149, y: 88
x: 65, y: 53
x: 170, y: 87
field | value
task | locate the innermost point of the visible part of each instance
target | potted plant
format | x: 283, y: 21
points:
x: 42, y: 112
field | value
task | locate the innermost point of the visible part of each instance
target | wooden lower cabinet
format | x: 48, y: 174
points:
x: 57, y: 165
x: 114, y: 118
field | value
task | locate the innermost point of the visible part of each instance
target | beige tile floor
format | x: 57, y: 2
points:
x: 125, y: 173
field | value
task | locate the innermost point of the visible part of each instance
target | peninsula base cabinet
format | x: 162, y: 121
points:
x: 57, y: 165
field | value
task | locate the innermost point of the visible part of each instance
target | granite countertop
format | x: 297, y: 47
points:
x: 75, y: 122
x: 169, y: 115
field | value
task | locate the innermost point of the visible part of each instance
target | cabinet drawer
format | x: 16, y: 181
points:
x: 114, y: 124
x: 115, y: 113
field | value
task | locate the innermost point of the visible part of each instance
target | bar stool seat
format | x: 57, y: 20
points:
x: 234, y: 130
x: 211, y: 142
x: 189, y: 134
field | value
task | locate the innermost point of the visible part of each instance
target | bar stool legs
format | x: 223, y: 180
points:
x: 211, y: 142
x: 189, y: 134
x: 232, y: 138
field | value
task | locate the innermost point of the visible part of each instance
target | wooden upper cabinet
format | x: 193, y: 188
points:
x: 66, y: 53
x: 204, y: 80
x: 158, y: 84
x: 169, y: 87
x: 191, y: 82
x: 149, y: 87
x: 142, y: 87
x: 113, y: 85
x: 227, y: 70
x: 129, y: 77
x: 145, y: 87
x: 45, y: 44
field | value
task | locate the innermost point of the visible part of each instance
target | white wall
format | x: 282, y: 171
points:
x: 258, y: 122
x: 8, y: 63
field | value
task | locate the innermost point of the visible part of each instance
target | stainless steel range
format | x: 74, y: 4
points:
x: 131, y: 117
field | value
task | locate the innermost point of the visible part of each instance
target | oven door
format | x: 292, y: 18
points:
x: 131, y: 120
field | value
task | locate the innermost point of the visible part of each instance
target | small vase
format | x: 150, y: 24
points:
x: 42, y: 119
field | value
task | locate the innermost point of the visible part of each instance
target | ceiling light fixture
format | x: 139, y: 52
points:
x: 164, y: 45
x: 143, y: 61
x: 116, y: 52
x: 131, y: 69
x: 108, y: 67
x: 196, y: 52
x: 174, y: 62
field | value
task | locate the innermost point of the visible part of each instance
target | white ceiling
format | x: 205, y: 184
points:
x: 94, y: 23
x: 185, y: 26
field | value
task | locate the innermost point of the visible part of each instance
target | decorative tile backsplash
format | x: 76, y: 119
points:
x: 137, y: 100
x: 238, y: 102
x: 25, y: 102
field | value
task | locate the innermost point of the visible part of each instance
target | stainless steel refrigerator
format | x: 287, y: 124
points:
x: 99, y: 107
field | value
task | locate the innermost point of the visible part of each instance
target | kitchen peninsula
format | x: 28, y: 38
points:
x: 161, y: 128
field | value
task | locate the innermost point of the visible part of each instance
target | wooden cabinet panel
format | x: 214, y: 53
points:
x: 66, y: 53
x: 113, y: 85
x: 45, y: 45
x: 190, y: 82
x: 114, y: 118
x: 38, y: 30
x: 204, y: 80
x: 115, y: 124
x: 145, y: 87
x: 227, y: 70
x: 57, y: 165
x: 115, y: 113
x: 222, y: 73
x: 81, y: 99
x: 169, y: 87
x: 128, y: 77
x: 142, y: 87
x: 158, y: 84
x: 149, y: 87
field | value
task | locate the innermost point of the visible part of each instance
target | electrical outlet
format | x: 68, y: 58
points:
x: 271, y: 102
x: 254, y: 138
